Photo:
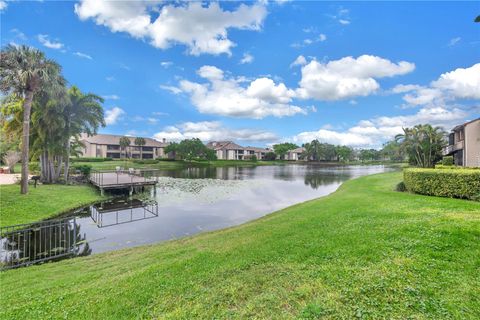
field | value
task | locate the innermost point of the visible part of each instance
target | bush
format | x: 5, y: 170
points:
x: 83, y: 168
x: 91, y: 159
x: 441, y: 166
x: 145, y: 161
x: 401, y: 187
x: 447, y: 161
x: 33, y: 167
x: 165, y: 159
x: 253, y: 158
x: 270, y: 156
x: 460, y: 183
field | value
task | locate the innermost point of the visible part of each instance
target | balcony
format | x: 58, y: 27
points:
x: 459, y: 145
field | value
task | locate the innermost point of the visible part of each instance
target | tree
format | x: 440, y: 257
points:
x: 83, y: 113
x: 423, y: 144
x: 369, y: 155
x: 477, y: 19
x: 10, y: 159
x: 270, y: 156
x: 124, y: 143
x: 139, y: 141
x: 344, y: 153
x: 282, y: 149
x: 23, y: 72
x: 392, y: 150
x: 172, y: 149
x: 190, y: 149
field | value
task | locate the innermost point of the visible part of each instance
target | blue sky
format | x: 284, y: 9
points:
x: 262, y: 72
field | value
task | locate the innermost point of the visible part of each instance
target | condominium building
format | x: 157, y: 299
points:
x: 464, y: 144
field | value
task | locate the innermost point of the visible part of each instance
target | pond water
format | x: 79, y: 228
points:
x: 196, y: 200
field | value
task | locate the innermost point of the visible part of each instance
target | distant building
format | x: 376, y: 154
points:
x: 464, y: 144
x: 107, y: 145
x: 295, y: 154
x: 228, y: 150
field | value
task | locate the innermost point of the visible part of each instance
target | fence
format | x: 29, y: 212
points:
x: 26, y: 244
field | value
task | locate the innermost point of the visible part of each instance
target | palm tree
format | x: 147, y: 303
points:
x: 24, y: 71
x: 139, y: 141
x: 423, y: 144
x: 124, y: 143
x: 82, y: 114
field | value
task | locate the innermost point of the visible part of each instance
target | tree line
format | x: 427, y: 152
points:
x: 44, y: 111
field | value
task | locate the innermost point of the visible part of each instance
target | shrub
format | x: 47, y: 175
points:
x: 145, y: 161
x: 460, y: 183
x: 253, y: 158
x: 447, y: 161
x: 441, y: 166
x: 401, y: 187
x: 270, y: 156
x: 33, y: 167
x: 83, y: 168
x: 91, y: 159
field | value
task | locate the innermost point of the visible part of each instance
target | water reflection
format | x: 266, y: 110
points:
x: 195, y: 200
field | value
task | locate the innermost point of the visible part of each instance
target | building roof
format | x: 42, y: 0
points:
x: 256, y: 149
x: 115, y: 140
x: 218, y: 145
x: 461, y: 126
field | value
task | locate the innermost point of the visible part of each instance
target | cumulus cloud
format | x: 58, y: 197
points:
x: 461, y: 83
x: 203, y: 28
x: 373, y: 132
x: 300, y: 61
x: 113, y: 115
x: 45, y: 41
x: 111, y: 97
x: 3, y: 5
x: 83, y: 55
x: 212, y: 130
x: 166, y: 64
x: 171, y: 89
x: 348, y: 77
x: 247, y: 58
x: 240, y: 97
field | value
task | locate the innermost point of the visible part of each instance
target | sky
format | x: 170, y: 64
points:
x: 260, y: 73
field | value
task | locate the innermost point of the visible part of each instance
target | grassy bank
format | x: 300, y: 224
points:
x: 42, y: 202
x: 363, y: 252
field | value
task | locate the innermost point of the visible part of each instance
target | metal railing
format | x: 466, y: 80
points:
x: 107, y: 218
x: 26, y: 244
x: 123, y: 177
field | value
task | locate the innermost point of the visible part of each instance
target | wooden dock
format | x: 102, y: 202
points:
x: 123, y: 179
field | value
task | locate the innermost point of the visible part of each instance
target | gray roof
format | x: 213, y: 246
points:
x: 297, y: 150
x: 115, y: 140
x: 218, y: 145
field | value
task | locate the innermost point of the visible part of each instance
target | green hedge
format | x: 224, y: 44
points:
x: 91, y: 159
x: 145, y: 161
x: 460, y: 183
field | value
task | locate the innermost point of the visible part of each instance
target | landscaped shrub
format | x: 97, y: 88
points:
x: 145, y: 161
x: 441, y: 166
x: 460, y: 183
x: 83, y: 168
x: 401, y: 187
x: 33, y: 167
x: 447, y: 161
x: 91, y: 159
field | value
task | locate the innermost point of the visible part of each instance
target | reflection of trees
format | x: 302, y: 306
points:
x: 315, y: 180
x: 49, y: 240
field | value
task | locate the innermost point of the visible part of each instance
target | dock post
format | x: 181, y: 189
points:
x: 154, y: 190
x: 102, y: 192
x: 131, y: 191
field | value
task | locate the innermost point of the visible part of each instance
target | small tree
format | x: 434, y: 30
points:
x: 270, y: 156
x: 139, y: 141
x: 11, y: 158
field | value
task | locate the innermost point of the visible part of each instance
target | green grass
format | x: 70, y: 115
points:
x: 363, y: 252
x: 42, y: 202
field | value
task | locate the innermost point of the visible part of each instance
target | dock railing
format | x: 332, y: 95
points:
x: 105, y: 178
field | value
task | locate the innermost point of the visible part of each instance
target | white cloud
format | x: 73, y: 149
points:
x: 17, y: 33
x: 454, y: 41
x: 227, y: 97
x: 3, y: 5
x: 461, y: 83
x: 166, y: 64
x: 44, y: 40
x: 306, y: 42
x: 212, y: 130
x: 83, y: 55
x: 247, y: 58
x: 300, y: 61
x: 113, y: 115
x: 374, y: 132
x: 202, y: 28
x: 110, y: 78
x: 322, y: 37
x: 111, y: 97
x: 344, y: 21
x: 347, y: 77
x: 172, y: 89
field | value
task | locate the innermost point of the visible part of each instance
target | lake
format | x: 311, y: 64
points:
x: 186, y: 202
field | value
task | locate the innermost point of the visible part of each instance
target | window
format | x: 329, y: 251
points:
x: 113, y: 155
x: 147, y: 148
x: 147, y: 156
x: 113, y: 147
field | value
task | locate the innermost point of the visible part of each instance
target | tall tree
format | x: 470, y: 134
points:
x: 281, y: 149
x: 139, y: 141
x: 124, y: 143
x: 83, y: 113
x: 24, y: 71
x: 423, y: 144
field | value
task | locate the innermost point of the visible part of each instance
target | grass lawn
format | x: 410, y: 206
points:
x: 363, y: 252
x: 42, y: 202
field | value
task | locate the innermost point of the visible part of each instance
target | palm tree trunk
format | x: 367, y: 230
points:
x: 67, y: 161
x: 27, y: 108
